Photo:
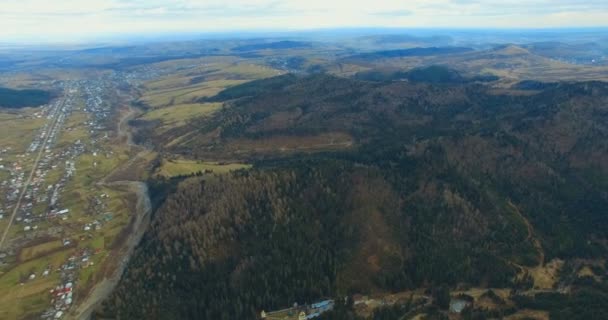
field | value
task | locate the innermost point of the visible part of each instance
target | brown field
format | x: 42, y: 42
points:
x: 38, y: 250
x: 241, y: 147
x: 179, y: 115
x: 546, y: 276
x: 529, y: 314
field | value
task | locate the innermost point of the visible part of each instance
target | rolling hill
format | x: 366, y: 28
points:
x: 510, y: 62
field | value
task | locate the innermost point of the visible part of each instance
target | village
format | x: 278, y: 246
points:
x: 365, y: 305
x: 300, y: 312
x: 49, y: 234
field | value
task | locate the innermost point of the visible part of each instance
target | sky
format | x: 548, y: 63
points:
x: 78, y: 19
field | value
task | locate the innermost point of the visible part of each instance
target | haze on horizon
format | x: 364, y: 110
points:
x: 69, y: 20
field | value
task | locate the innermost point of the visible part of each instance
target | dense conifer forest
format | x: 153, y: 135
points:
x: 15, y: 99
x: 444, y: 186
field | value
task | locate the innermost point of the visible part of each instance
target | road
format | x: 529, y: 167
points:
x: 34, y: 168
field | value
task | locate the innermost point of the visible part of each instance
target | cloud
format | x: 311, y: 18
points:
x: 398, y: 13
x: 540, y: 7
x: 69, y: 19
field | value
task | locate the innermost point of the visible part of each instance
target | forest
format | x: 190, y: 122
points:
x: 15, y: 99
x: 446, y: 185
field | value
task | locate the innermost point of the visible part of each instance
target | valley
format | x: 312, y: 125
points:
x: 363, y: 177
x: 60, y: 226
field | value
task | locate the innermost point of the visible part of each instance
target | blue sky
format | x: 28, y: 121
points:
x: 70, y: 19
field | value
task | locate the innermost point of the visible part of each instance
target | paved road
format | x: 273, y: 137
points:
x: 31, y: 176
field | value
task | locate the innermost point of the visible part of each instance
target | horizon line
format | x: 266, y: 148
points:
x: 266, y: 32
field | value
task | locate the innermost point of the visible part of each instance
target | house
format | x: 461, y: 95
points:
x: 458, y: 305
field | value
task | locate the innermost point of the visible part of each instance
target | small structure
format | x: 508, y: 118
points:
x: 297, y: 312
x: 458, y: 305
x: 323, y: 305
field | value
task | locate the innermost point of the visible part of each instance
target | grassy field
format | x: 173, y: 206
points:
x: 4, y: 175
x: 42, y: 249
x: 172, y: 168
x: 180, y: 94
x: 74, y: 129
x: 189, y: 80
x: 17, y: 129
x: 178, y: 115
x: 176, y: 98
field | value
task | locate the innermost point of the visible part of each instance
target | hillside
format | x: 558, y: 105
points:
x: 368, y: 188
x: 582, y: 53
x: 431, y: 74
x: 510, y: 62
x: 412, y: 52
x: 279, y: 45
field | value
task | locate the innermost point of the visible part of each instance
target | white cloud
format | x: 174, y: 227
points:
x: 78, y: 18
